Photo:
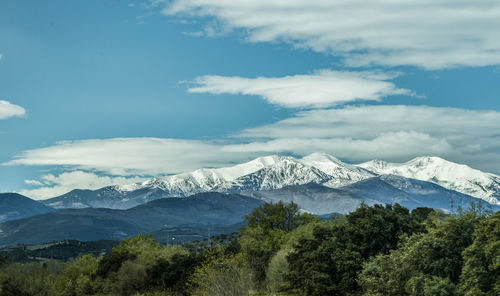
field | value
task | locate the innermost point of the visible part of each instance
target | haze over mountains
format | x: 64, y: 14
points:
x: 276, y: 172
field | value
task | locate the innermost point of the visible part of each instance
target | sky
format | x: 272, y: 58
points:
x: 95, y: 93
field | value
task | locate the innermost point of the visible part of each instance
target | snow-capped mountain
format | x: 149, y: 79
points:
x: 272, y: 172
x: 263, y: 173
x: 341, y: 173
x: 204, y: 180
x: 453, y: 176
x: 286, y: 171
x: 275, y: 172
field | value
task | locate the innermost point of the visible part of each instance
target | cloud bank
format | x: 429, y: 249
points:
x: 356, y: 134
x: 130, y: 156
x: 431, y: 34
x: 324, y: 88
x: 394, y: 133
x: 8, y: 110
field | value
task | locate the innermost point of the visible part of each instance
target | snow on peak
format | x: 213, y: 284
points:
x: 239, y: 170
x: 341, y: 173
x: 458, y: 177
x: 278, y: 171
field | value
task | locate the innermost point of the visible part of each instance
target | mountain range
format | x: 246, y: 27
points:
x: 197, y: 214
x: 276, y: 172
x: 219, y: 198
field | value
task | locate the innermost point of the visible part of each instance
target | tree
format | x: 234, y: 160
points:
x: 78, y: 278
x: 113, y: 261
x: 222, y: 275
x: 277, y: 216
x: 172, y: 274
x: 481, y: 273
x: 141, y: 264
x: 329, y: 263
x: 278, y: 267
x: 427, y: 263
x: 266, y: 229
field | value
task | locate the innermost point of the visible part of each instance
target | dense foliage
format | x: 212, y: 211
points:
x: 378, y: 250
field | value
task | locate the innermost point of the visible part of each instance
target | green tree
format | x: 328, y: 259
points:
x: 277, y: 216
x: 426, y: 263
x: 222, y: 275
x: 278, y: 267
x: 141, y: 265
x: 172, y: 274
x: 78, y: 278
x: 481, y: 273
x: 329, y: 263
x: 29, y: 279
x: 266, y: 229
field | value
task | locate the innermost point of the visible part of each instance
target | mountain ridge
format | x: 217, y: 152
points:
x: 16, y: 206
x: 275, y: 172
x: 89, y: 224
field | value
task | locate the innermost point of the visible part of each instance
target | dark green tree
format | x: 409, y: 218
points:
x: 173, y: 274
x: 481, y: 273
x: 328, y: 264
x: 113, y: 261
x: 426, y: 263
x: 266, y: 230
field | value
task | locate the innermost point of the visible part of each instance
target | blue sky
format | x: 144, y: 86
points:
x: 102, y: 92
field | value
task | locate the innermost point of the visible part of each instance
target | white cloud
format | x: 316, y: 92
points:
x: 129, y: 156
x: 385, y: 145
x: 8, y: 110
x: 431, y: 34
x: 394, y: 133
x: 321, y: 89
x: 367, y: 121
x: 52, y: 185
x: 33, y: 182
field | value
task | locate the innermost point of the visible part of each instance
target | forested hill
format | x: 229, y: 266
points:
x: 375, y: 250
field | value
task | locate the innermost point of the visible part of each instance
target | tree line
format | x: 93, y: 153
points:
x: 375, y: 250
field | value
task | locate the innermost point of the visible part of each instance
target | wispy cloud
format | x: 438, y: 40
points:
x: 394, y: 133
x: 55, y: 185
x: 430, y: 34
x: 324, y: 88
x: 130, y: 156
x: 8, y: 110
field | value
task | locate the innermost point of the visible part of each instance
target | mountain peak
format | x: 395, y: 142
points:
x: 430, y: 160
x: 454, y: 176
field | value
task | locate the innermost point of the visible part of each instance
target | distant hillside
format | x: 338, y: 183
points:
x: 409, y: 193
x: 16, y: 206
x: 206, y: 209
